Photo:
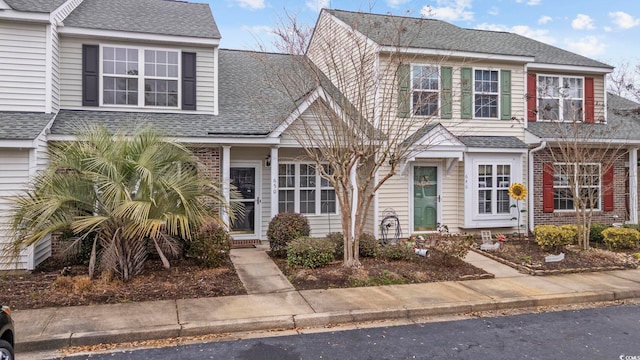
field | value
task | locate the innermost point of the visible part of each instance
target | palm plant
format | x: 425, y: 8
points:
x: 121, y: 192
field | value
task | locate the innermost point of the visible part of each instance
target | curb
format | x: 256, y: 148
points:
x: 291, y: 322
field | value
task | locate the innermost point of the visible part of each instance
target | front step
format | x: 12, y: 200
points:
x: 239, y: 244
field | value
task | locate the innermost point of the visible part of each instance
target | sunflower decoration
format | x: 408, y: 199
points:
x: 518, y: 191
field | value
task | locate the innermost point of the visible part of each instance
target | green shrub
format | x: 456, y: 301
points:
x: 395, y: 252
x: 285, y: 227
x: 210, y: 246
x: 621, y: 238
x: 337, y: 240
x: 309, y: 252
x: 595, y: 232
x: 368, y: 245
x: 454, y: 247
x: 554, y: 238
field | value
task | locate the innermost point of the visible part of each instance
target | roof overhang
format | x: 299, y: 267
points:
x: 222, y: 140
x: 126, y: 35
x: 18, y: 144
x: 437, y: 142
x: 569, y: 68
x: 24, y: 16
x: 454, y: 53
x: 497, y: 150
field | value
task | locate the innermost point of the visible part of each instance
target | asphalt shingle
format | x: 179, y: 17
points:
x: 22, y: 125
x: 165, y: 17
x: 388, y: 30
x: 493, y: 142
x: 40, y: 6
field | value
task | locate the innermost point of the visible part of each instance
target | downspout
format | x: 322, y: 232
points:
x: 530, y: 223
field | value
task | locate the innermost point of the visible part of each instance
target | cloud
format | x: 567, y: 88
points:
x: 449, y: 10
x: 524, y: 30
x: 257, y: 30
x: 534, y: 2
x: 317, y: 5
x: 494, y: 11
x: 624, y: 20
x: 608, y: 29
x: 251, y: 4
x: 587, y: 46
x: 544, y: 20
x: 394, y: 3
x: 582, y: 22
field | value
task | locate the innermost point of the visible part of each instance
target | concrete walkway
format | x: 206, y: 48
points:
x: 491, y: 266
x: 258, y: 273
x: 281, y: 308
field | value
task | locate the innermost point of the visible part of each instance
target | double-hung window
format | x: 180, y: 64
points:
x: 302, y: 189
x: 425, y: 94
x: 560, y: 98
x: 567, y: 182
x: 493, y: 189
x: 486, y: 91
x: 127, y: 71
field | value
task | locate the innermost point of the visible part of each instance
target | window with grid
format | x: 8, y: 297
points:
x: 425, y: 93
x: 560, y: 98
x: 493, y: 189
x: 127, y: 70
x: 486, y: 92
x: 302, y: 189
x: 567, y: 182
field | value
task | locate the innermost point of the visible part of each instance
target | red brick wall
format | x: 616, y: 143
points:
x: 210, y: 161
x: 569, y: 217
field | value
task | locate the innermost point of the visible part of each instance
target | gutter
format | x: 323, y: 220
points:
x: 542, y: 145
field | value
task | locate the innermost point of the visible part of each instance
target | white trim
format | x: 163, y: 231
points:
x: 578, y: 186
x: 24, y: 16
x: 275, y: 196
x: 411, y: 191
x: 48, y: 69
x: 560, y: 99
x: 297, y: 188
x: 472, y: 219
x: 454, y: 53
x: 633, y: 185
x: 18, y: 144
x: 226, y: 189
x: 135, y: 36
x: 216, y: 80
x: 187, y: 140
x: 4, y: 6
x: 525, y: 106
x: 496, y: 150
x: 531, y: 197
x: 570, y: 68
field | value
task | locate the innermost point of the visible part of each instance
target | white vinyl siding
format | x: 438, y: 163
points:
x: 71, y: 73
x: 14, y: 175
x: 22, y: 67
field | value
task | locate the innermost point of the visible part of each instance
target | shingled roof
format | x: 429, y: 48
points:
x: 165, y: 17
x: 389, y: 30
x: 623, y: 124
x: 22, y: 125
x: 39, y: 6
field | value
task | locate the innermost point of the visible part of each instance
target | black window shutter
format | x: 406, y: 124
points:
x: 188, y: 81
x: 90, y: 73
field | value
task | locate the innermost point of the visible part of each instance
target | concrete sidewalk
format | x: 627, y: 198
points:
x: 54, y: 328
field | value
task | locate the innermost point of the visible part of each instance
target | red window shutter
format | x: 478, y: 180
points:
x: 532, y: 97
x: 607, y: 183
x: 547, y: 187
x: 589, y: 100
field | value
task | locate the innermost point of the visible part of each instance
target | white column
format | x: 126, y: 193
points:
x: 274, y: 181
x: 226, y: 178
x: 633, y: 185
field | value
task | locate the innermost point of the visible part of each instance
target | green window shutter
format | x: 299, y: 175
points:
x: 466, y: 102
x: 446, y: 98
x: 505, y: 94
x: 404, y: 90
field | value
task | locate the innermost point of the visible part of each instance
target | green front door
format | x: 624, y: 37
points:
x: 425, y: 198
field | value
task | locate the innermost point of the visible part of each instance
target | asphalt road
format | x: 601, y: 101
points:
x: 603, y: 333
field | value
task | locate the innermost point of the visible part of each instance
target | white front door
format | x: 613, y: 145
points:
x: 245, y: 176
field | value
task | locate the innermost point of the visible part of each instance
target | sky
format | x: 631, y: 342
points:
x: 608, y: 31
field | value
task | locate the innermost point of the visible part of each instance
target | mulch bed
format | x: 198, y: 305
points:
x: 528, y: 257
x: 375, y: 271
x: 46, y: 287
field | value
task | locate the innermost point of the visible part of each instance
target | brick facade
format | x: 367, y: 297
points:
x: 620, y: 194
x: 210, y: 161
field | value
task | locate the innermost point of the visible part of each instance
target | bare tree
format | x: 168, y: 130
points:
x: 583, y: 155
x: 623, y: 81
x: 361, y: 126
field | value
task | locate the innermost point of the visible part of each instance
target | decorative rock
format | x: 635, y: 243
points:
x: 554, y: 258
